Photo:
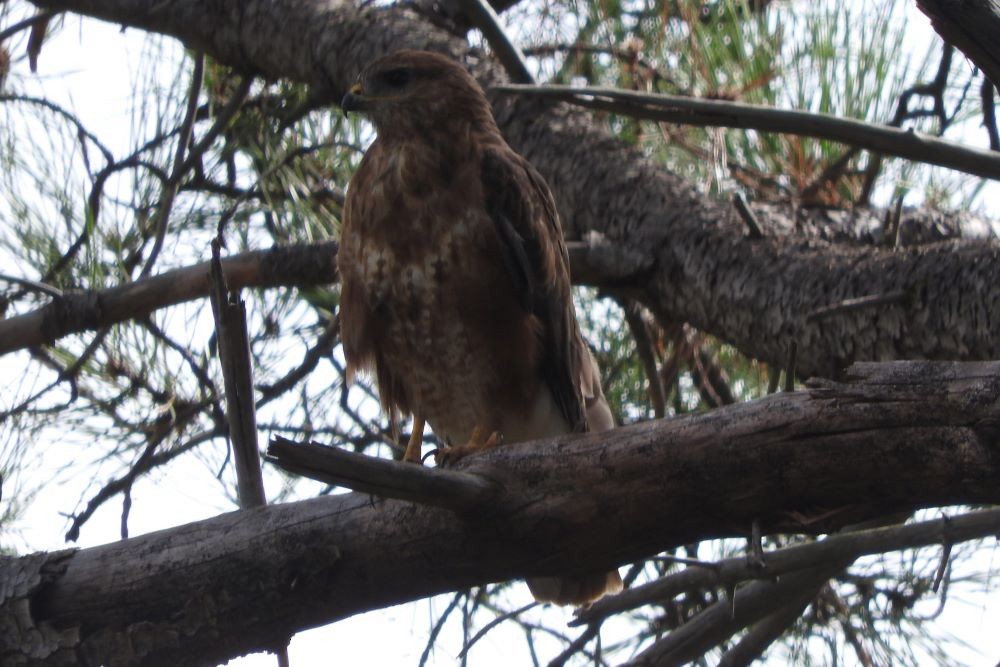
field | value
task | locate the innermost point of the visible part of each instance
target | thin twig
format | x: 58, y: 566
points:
x: 628, y: 55
x: 33, y: 285
x: 436, y: 630
x: 120, y: 484
x: 161, y: 219
x: 644, y: 348
x: 859, y: 303
x: 748, y: 216
x: 514, y: 613
x: 575, y: 646
x: 81, y: 131
x: 225, y: 115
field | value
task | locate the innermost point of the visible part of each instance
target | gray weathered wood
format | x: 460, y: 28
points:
x: 450, y: 489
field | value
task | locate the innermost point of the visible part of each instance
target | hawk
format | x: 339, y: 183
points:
x: 455, y: 278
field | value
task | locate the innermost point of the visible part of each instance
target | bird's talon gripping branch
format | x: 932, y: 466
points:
x: 446, y: 456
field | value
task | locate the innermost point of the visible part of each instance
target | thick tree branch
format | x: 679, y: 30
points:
x: 972, y: 26
x: 244, y: 581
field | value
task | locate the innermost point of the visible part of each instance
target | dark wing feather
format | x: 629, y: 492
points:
x: 534, y: 253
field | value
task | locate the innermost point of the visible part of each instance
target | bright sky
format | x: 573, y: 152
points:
x: 89, y: 67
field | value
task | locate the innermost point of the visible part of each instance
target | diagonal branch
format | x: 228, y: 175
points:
x: 727, y: 617
x: 718, y: 113
x: 485, y: 18
x: 972, y: 26
x: 834, y: 549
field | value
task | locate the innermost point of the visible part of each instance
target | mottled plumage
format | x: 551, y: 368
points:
x: 455, y: 277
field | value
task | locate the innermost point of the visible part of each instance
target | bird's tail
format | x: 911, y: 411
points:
x: 579, y: 590
x: 584, y: 588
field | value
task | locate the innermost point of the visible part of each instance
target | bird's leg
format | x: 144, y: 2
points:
x: 477, y: 443
x: 412, y: 454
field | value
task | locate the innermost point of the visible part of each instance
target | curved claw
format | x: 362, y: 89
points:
x: 446, y: 456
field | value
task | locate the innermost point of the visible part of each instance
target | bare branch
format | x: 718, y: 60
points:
x: 727, y: 617
x: 41, y: 17
x: 451, y: 489
x: 161, y: 220
x: 644, y: 347
x: 234, y: 356
x: 717, y: 113
x: 836, y: 548
x: 81, y: 311
x: 483, y: 17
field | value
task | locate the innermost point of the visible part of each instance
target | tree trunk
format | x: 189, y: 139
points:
x: 689, y: 254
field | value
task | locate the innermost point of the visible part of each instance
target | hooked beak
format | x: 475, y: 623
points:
x: 353, y: 100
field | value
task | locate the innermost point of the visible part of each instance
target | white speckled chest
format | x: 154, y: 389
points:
x: 424, y: 284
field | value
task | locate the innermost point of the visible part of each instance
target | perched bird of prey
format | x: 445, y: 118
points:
x: 455, y: 278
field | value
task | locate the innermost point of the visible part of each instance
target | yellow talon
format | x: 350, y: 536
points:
x: 416, y: 441
x: 448, y: 455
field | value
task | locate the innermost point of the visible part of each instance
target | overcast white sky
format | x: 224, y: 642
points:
x: 89, y: 67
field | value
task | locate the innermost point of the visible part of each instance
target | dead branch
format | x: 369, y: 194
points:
x: 311, y: 265
x: 233, y: 343
x: 718, y: 113
x: 451, y: 489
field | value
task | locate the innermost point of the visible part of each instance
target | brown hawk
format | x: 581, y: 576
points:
x: 455, y: 277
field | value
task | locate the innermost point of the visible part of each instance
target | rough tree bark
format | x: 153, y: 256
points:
x: 893, y: 437
x: 689, y: 252
x: 972, y: 26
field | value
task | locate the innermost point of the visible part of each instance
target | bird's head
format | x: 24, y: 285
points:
x: 413, y: 91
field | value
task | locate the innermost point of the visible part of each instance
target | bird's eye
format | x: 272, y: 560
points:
x: 395, y: 78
